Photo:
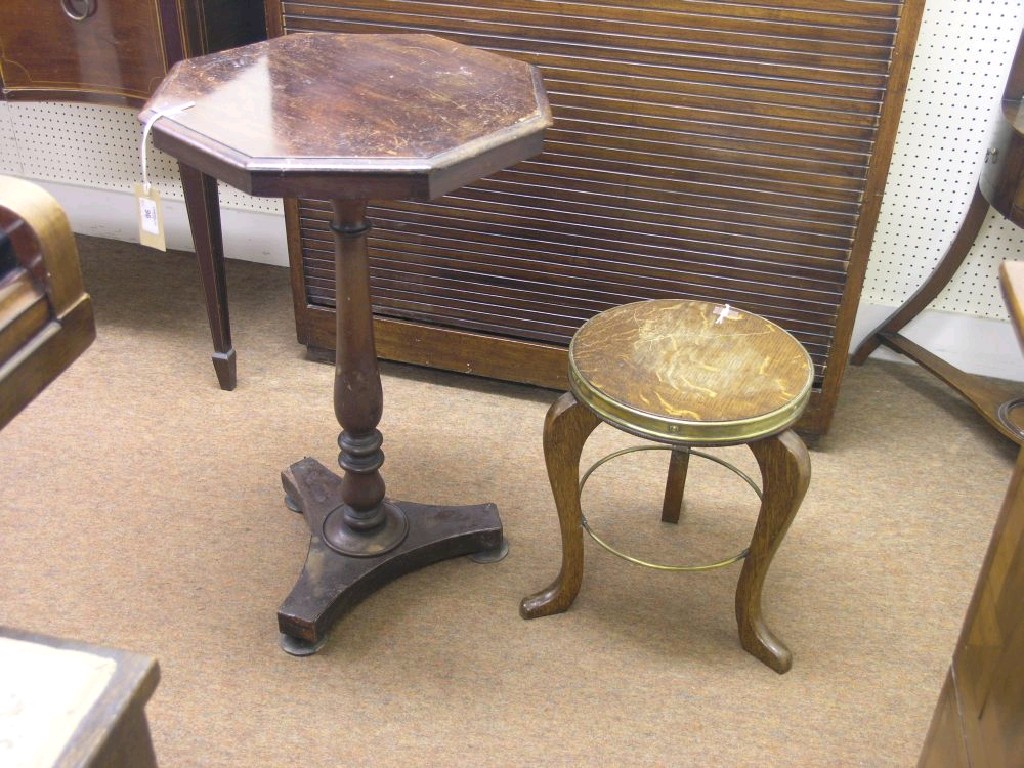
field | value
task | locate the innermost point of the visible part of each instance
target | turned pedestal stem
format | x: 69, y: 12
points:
x: 365, y: 524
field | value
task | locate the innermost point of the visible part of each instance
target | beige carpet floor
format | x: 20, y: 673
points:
x: 142, y: 509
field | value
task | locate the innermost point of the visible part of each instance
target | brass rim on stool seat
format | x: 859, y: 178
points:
x: 690, y: 372
x: 658, y: 566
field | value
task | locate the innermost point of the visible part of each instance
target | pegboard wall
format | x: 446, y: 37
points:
x: 957, y: 78
x: 959, y: 70
x: 94, y: 146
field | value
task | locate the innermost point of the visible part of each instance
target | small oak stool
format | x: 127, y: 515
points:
x: 684, y: 373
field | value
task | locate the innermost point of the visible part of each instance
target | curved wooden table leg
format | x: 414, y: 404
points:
x: 786, y: 473
x: 202, y: 204
x: 566, y: 429
x: 937, y: 280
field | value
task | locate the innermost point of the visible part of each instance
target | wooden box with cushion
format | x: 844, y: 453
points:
x: 46, y: 318
x: 71, y: 705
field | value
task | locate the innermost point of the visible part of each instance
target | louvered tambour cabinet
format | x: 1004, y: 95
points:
x: 727, y: 151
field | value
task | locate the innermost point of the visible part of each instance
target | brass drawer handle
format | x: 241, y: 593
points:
x: 79, y: 10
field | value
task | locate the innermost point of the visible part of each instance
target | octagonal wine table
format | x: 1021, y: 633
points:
x: 353, y: 118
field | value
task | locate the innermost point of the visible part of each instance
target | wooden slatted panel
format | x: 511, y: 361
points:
x: 711, y: 150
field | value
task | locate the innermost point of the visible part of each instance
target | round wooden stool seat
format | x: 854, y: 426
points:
x: 685, y: 373
x: 690, y: 372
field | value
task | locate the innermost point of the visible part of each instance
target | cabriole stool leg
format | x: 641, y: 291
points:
x: 786, y: 473
x: 566, y: 429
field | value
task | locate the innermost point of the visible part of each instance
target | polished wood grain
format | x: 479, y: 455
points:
x: 46, y: 318
x: 359, y: 117
x: 310, y: 125
x: 691, y: 371
x: 113, y: 733
x: 686, y: 373
x: 676, y: 168
x: 979, y: 719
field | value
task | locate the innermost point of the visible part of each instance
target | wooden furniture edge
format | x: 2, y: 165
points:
x: 133, y: 683
x: 1011, y: 281
x: 907, y: 34
x: 49, y: 233
x: 50, y: 353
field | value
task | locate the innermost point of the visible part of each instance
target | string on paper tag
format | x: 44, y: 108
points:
x: 151, y: 229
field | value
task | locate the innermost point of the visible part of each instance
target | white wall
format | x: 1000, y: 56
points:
x: 88, y: 157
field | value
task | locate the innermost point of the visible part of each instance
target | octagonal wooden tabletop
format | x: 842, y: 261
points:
x: 351, y: 116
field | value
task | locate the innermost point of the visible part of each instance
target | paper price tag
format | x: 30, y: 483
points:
x: 149, y: 216
x: 151, y: 220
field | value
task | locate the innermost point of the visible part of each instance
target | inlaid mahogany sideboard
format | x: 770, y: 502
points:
x: 116, y: 52
x: 731, y: 152
x: 112, y: 51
